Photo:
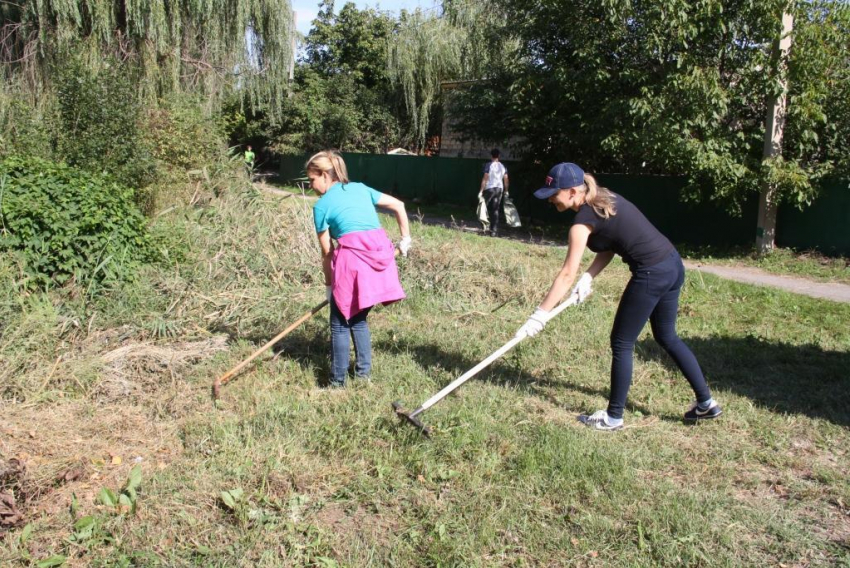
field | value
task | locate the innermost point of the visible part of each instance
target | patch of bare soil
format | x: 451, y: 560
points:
x: 77, y: 447
x: 11, y: 472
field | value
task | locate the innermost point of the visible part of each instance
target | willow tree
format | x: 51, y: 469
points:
x: 461, y: 42
x: 200, y: 46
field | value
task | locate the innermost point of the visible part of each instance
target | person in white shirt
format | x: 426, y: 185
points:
x: 494, y: 187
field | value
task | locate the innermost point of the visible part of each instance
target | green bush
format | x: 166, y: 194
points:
x: 26, y: 130
x: 69, y: 224
x: 181, y: 135
x: 100, y: 121
x: 185, y: 142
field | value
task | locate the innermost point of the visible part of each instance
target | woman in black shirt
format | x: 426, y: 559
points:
x: 608, y: 224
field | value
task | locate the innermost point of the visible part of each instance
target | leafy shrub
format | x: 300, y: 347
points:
x: 68, y: 223
x: 26, y: 130
x: 181, y: 135
x: 185, y: 142
x: 100, y: 121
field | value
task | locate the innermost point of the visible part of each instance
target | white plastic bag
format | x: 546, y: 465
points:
x: 511, y: 214
x: 482, y: 212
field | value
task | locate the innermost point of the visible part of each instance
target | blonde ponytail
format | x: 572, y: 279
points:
x: 598, y: 197
x: 329, y: 161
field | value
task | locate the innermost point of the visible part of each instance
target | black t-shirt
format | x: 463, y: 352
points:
x: 628, y: 233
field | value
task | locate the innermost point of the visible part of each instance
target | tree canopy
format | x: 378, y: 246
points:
x: 675, y: 87
x: 341, y: 96
x: 468, y: 40
x: 178, y: 45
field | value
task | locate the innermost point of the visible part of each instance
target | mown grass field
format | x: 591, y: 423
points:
x: 284, y: 473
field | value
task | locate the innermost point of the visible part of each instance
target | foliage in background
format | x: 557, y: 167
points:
x: 96, y: 122
x: 197, y: 47
x: 674, y: 88
x: 27, y: 129
x: 190, y: 151
x: 68, y: 224
x: 335, y: 113
x: 99, y: 127
x: 180, y: 136
x: 468, y: 41
x: 817, y: 135
x: 341, y: 96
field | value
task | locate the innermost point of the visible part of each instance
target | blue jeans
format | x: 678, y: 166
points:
x: 341, y: 332
x: 651, y: 294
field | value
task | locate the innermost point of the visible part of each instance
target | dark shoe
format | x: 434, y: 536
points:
x: 694, y: 414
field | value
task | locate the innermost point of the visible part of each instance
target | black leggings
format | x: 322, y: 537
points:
x: 651, y: 294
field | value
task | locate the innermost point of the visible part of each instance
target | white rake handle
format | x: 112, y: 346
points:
x: 495, y: 355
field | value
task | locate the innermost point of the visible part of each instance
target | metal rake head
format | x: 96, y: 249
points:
x: 405, y: 415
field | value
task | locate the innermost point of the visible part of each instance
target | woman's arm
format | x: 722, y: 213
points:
x: 397, y: 207
x: 327, y: 255
x: 599, y: 263
x: 567, y: 275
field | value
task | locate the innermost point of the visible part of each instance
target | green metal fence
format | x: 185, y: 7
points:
x: 824, y: 226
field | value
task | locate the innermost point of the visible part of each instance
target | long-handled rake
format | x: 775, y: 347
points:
x: 219, y: 382
x: 412, y: 417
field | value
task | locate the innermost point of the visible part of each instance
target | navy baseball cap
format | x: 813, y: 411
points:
x: 563, y: 176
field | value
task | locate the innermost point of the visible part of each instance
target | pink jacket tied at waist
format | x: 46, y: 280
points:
x: 364, y: 272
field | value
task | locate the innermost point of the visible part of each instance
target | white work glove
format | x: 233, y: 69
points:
x: 404, y: 245
x: 582, y: 288
x: 329, y: 293
x: 535, y: 323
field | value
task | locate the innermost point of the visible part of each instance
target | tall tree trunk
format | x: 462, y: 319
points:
x: 775, y: 124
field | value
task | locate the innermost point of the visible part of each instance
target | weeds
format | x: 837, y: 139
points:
x: 287, y: 474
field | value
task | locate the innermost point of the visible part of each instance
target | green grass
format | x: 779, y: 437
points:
x: 782, y: 261
x: 331, y: 478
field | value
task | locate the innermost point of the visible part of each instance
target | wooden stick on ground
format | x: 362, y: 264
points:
x: 216, y: 387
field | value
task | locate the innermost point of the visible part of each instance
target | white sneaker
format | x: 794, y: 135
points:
x: 600, y: 420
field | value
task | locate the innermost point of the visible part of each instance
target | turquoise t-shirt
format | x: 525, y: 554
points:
x: 347, y: 208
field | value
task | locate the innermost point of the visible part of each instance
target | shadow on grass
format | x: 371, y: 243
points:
x: 794, y: 379
x: 502, y: 372
x: 308, y: 350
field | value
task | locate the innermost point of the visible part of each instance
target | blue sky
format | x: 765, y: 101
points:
x: 306, y: 10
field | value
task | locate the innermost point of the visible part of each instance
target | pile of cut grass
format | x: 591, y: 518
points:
x: 284, y: 473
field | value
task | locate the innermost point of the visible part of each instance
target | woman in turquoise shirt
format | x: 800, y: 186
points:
x: 360, y: 269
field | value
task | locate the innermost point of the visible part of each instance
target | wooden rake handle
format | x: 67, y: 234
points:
x: 216, y: 387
